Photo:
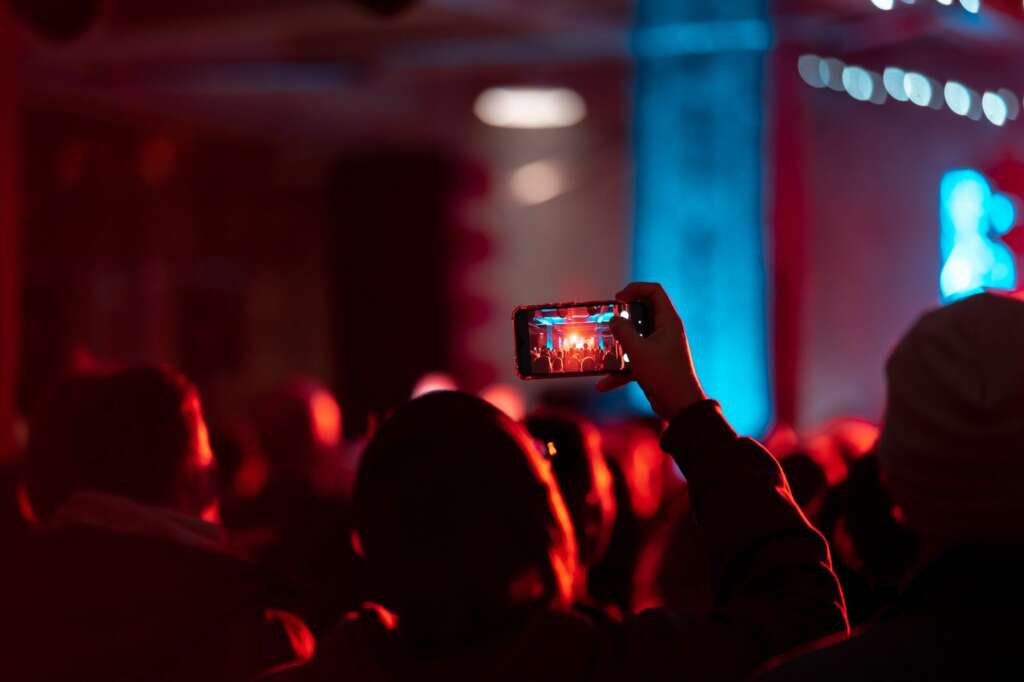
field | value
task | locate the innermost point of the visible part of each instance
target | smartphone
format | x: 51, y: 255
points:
x: 558, y: 340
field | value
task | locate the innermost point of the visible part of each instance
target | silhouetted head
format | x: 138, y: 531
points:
x: 806, y: 479
x: 884, y: 546
x: 299, y: 427
x: 542, y: 365
x: 137, y: 433
x: 574, y: 450
x: 952, y: 446
x: 460, y: 520
x: 649, y: 475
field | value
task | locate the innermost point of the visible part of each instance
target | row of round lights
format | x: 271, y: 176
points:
x: 972, y: 6
x: 908, y: 86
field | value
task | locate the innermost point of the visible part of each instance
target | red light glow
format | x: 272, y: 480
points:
x: 507, y: 399
x: 326, y: 418
x: 25, y: 509
x: 433, y: 381
x: 302, y: 641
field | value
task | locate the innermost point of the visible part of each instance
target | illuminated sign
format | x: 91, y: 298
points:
x: 974, y: 218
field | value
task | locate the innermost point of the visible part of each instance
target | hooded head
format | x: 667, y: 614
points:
x: 952, y: 446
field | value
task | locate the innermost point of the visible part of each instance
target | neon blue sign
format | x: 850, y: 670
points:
x: 973, y: 219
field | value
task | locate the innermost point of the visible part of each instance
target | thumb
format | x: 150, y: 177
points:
x: 626, y: 334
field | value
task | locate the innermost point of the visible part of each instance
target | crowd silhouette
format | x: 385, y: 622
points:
x: 459, y: 544
x: 590, y: 358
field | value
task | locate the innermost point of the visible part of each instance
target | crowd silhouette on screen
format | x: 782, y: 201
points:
x: 457, y: 543
x: 584, y: 358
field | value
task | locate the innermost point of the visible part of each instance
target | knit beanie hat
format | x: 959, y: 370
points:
x: 952, y: 445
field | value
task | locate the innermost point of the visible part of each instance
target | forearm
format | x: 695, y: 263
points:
x: 738, y: 492
x: 771, y: 570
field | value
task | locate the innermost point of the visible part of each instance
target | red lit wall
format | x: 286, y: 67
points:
x: 8, y: 232
x: 865, y: 210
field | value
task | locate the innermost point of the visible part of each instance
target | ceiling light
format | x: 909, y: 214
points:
x: 530, y: 108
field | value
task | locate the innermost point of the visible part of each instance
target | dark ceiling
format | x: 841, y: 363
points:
x: 233, y: 60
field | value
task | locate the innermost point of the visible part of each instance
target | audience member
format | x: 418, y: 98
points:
x: 807, y: 480
x: 610, y: 579
x: 126, y: 579
x: 639, y: 471
x: 665, y: 561
x: 573, y: 447
x: 542, y: 365
x: 871, y: 548
x: 611, y: 362
x: 673, y: 565
x: 471, y: 547
x: 949, y: 451
x: 294, y: 524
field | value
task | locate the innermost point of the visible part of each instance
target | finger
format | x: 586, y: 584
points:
x: 653, y: 293
x: 626, y: 334
x: 638, y: 290
x: 612, y: 382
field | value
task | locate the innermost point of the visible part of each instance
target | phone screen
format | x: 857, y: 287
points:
x: 570, y: 340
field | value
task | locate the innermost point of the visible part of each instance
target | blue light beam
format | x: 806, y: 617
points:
x: 698, y: 215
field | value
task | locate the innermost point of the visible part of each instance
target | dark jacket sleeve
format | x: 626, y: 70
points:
x: 771, y: 570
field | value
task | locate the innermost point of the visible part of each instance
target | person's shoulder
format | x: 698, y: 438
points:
x: 366, y: 646
x: 129, y: 563
x: 360, y: 647
x: 888, y: 650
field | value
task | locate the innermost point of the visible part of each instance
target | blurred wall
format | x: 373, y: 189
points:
x: 148, y: 242
x: 9, y: 210
x: 870, y: 197
x: 575, y: 246
x: 158, y: 232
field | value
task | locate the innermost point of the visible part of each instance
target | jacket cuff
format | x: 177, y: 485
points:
x: 697, y: 429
